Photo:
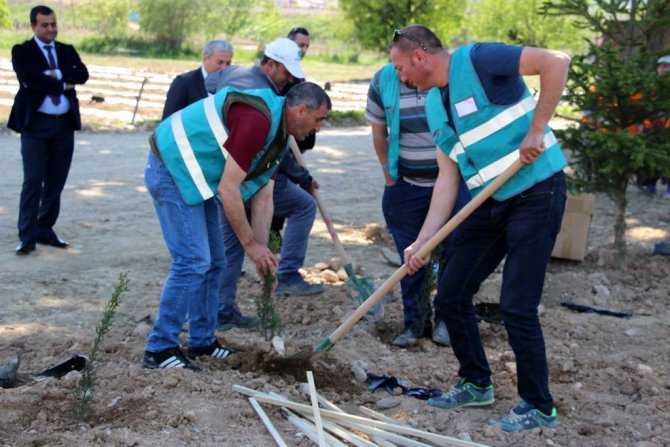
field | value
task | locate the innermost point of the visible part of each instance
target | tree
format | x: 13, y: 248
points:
x: 521, y: 22
x: 5, y: 15
x: 168, y: 21
x: 173, y: 21
x: 108, y: 18
x: 267, y: 24
x: 225, y: 17
x: 625, y: 103
x: 375, y: 20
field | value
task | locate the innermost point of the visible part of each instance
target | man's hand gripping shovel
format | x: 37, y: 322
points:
x: 360, y: 288
x: 425, y: 250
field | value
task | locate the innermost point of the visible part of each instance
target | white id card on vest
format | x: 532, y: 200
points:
x: 466, y: 107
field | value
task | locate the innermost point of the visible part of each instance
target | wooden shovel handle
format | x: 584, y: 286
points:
x: 424, y: 251
x: 339, y: 247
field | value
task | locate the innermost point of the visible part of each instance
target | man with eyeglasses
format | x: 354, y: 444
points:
x: 406, y: 151
x: 483, y: 118
x: 46, y: 114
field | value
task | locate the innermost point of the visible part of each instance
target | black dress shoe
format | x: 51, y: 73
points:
x: 24, y: 248
x: 53, y: 241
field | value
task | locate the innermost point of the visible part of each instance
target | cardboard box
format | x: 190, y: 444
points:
x: 572, y: 240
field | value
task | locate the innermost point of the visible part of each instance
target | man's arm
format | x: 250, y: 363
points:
x: 552, y: 67
x: 176, y: 97
x: 255, y: 245
x: 74, y: 71
x: 262, y: 209
x: 380, y: 143
x: 442, y: 203
x: 29, y: 75
x: 299, y: 175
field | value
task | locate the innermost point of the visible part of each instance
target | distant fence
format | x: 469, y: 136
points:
x: 111, y: 94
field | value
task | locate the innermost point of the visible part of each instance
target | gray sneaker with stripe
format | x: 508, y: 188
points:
x: 464, y: 394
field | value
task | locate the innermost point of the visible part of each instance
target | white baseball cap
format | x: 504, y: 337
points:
x: 287, y: 52
x: 663, y: 60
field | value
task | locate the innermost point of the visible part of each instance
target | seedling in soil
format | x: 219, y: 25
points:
x: 86, y: 386
x: 269, y: 322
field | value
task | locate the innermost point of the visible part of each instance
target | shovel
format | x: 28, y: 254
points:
x: 362, y: 287
x: 400, y: 273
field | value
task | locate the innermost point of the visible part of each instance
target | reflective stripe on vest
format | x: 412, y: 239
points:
x: 188, y: 156
x: 191, y: 141
x: 496, y: 168
x: 215, y: 124
x: 490, y: 134
x: 499, y: 121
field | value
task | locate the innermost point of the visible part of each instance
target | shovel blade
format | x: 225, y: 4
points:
x: 307, y: 355
x: 361, y: 289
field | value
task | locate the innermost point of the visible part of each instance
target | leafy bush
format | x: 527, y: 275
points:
x: 5, y: 15
x: 136, y: 46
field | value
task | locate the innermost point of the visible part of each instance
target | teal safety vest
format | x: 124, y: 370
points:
x: 190, y: 143
x: 389, y: 90
x: 487, y: 135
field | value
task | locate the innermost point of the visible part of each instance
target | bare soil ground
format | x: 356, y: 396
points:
x: 609, y: 376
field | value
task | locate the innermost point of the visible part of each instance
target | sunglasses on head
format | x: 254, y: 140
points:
x: 397, y: 34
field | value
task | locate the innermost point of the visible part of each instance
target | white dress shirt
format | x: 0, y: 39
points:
x: 47, y: 105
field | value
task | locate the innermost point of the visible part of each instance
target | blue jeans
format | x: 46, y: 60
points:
x: 524, y: 229
x: 193, y: 238
x: 405, y: 207
x: 230, y: 274
x: 300, y: 208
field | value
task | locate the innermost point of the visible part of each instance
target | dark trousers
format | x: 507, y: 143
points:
x: 46, y: 147
x: 405, y: 207
x: 524, y: 229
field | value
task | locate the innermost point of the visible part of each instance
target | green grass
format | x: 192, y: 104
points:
x: 346, y: 118
x: 316, y: 68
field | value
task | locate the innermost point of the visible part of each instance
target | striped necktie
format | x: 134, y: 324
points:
x: 52, y: 65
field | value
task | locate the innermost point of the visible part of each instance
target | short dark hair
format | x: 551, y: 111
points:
x: 297, y: 30
x: 413, y: 37
x: 310, y: 94
x: 41, y: 9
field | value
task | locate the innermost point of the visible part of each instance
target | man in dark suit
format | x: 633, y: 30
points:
x: 189, y: 87
x: 46, y: 113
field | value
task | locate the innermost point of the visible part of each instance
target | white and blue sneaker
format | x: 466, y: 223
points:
x: 167, y: 359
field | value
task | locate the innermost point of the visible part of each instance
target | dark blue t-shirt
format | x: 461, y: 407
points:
x: 497, y: 66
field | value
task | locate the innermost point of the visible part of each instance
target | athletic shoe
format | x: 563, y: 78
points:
x: 215, y: 350
x: 464, y: 394
x: 236, y: 320
x: 410, y: 335
x: 167, y: 359
x: 441, y: 334
x: 525, y: 417
x: 295, y: 285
